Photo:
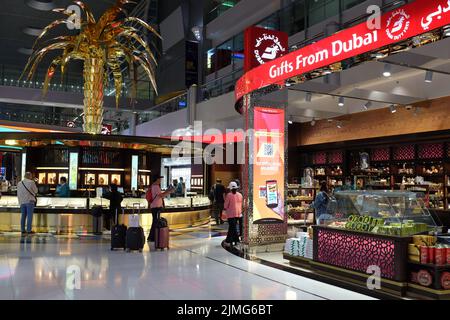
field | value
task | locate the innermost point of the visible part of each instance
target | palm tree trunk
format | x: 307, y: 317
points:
x: 93, y: 95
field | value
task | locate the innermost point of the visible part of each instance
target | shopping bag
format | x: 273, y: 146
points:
x: 223, y: 215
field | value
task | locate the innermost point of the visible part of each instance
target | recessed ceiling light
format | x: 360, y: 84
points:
x: 341, y: 102
x: 387, y: 70
x: 290, y: 83
x: 378, y: 55
x: 308, y: 97
x: 32, y: 31
x: 429, y: 76
x: 42, y: 5
x: 367, y: 105
x: 25, y: 51
x: 447, y: 31
x: 291, y: 120
x: 393, y: 108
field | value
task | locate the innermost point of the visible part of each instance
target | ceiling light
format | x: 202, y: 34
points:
x: 387, y: 70
x: 42, y: 5
x: 328, y: 71
x: 339, y: 124
x: 32, y: 31
x: 393, y: 108
x: 429, y: 76
x: 25, y: 51
x: 308, y: 97
x: 341, y: 102
x: 197, y: 31
x: 378, y: 55
x: 290, y: 83
x: 446, y: 31
x: 290, y: 121
x: 367, y: 105
x: 313, y: 122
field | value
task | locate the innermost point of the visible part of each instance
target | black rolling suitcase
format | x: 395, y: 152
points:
x: 135, y: 239
x: 118, y: 234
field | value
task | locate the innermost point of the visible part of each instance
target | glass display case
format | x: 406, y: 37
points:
x: 177, y: 203
x: 200, y: 201
x: 394, y: 213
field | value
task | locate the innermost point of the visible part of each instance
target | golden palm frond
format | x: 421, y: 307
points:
x: 104, y: 45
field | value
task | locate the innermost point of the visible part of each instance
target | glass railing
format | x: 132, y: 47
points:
x: 49, y: 116
x: 220, y: 86
x: 72, y: 83
x: 220, y: 9
x: 172, y: 105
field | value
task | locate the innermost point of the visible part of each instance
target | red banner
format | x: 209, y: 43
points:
x: 398, y: 25
x: 263, y: 46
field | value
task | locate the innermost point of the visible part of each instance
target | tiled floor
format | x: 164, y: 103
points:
x: 196, y: 267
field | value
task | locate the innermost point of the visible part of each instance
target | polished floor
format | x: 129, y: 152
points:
x: 196, y: 267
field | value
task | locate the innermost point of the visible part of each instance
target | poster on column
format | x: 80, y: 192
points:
x: 268, y: 166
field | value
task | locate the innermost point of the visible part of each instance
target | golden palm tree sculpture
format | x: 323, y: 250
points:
x: 103, y: 45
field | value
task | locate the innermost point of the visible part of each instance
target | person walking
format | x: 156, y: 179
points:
x: 115, y: 206
x: 233, y: 207
x: 320, y: 204
x: 156, y: 203
x: 218, y: 193
x: 26, y: 194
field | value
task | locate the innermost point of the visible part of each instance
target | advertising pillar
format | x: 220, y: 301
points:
x: 265, y: 218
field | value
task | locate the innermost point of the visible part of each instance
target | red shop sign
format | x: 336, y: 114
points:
x: 398, y: 25
x: 263, y: 45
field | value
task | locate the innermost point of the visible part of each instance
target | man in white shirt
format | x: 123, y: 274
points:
x: 26, y: 193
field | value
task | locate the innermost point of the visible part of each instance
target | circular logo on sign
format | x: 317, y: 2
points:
x: 268, y: 48
x: 424, y: 278
x: 397, y: 25
x: 445, y: 280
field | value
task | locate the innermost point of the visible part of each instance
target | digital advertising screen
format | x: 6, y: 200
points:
x: 268, y: 166
x: 73, y: 171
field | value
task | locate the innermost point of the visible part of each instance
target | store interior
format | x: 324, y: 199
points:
x: 91, y: 164
x: 376, y: 129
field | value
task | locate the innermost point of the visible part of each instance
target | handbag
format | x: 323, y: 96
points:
x: 34, y: 196
x: 223, y: 215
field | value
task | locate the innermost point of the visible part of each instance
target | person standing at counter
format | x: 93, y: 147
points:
x: 26, y: 194
x: 233, y: 207
x: 320, y: 204
x: 181, y: 188
x: 155, y: 198
x: 63, y: 190
x: 115, y: 205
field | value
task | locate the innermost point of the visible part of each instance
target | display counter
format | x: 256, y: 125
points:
x: 72, y: 215
x: 389, y: 232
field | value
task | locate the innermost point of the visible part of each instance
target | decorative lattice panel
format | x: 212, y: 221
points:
x: 406, y: 152
x: 356, y: 252
x: 320, y: 158
x: 336, y: 157
x: 381, y: 154
x: 431, y: 151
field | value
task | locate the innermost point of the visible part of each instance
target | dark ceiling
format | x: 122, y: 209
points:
x: 17, y: 15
